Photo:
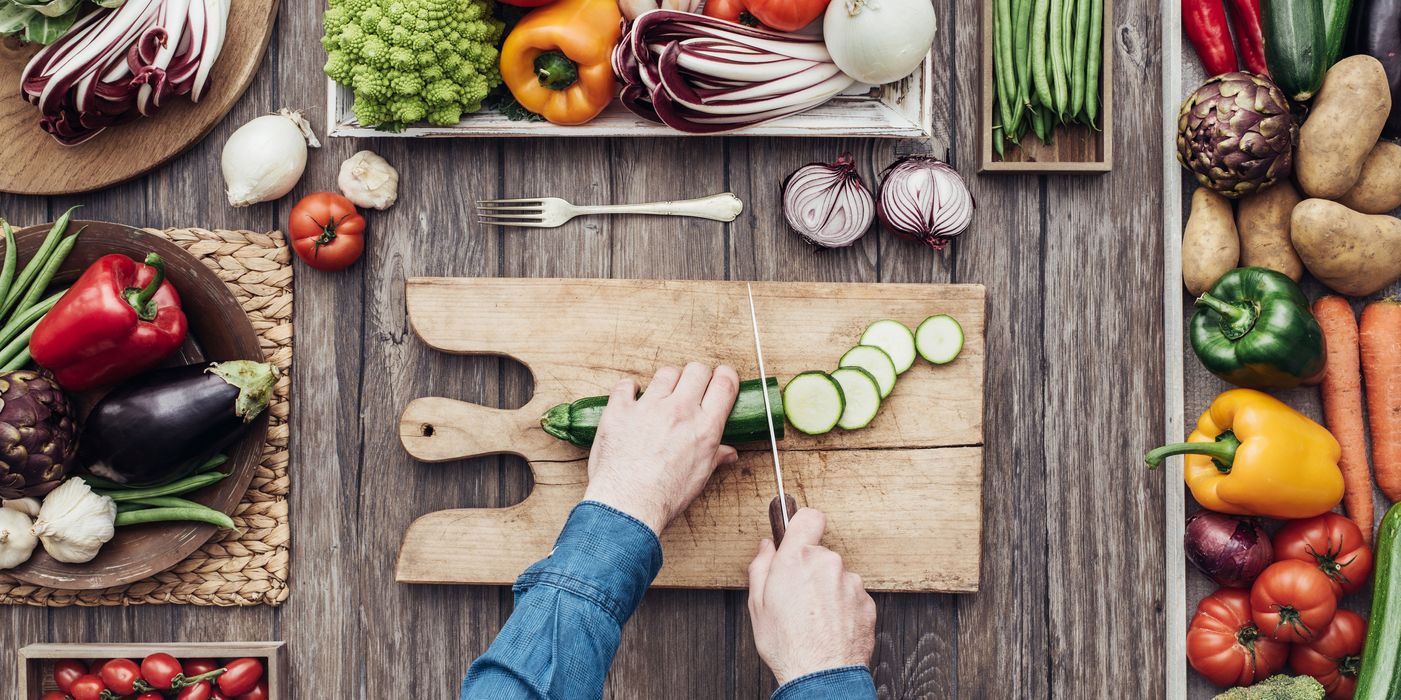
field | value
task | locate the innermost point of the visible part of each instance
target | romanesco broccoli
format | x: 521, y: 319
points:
x: 1277, y: 688
x: 413, y: 60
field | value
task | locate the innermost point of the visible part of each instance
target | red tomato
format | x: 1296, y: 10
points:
x: 199, y: 691
x: 786, y: 15
x: 1334, y: 656
x: 240, y: 675
x: 258, y: 693
x: 54, y: 695
x: 68, y: 670
x: 198, y: 667
x: 730, y: 11
x: 1292, y: 601
x: 160, y: 670
x: 1225, y: 646
x: 216, y: 695
x: 327, y: 231
x: 121, y: 676
x: 88, y: 687
x: 1333, y: 544
x: 150, y: 696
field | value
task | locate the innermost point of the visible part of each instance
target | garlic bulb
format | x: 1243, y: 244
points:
x: 265, y: 158
x: 74, y: 522
x: 634, y: 8
x: 16, y: 540
x: 369, y: 181
x: 27, y: 505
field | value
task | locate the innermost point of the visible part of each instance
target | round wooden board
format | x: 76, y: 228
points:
x: 36, y: 164
x: 219, y: 330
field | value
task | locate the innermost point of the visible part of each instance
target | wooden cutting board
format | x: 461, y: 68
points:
x: 37, y: 164
x: 903, y: 497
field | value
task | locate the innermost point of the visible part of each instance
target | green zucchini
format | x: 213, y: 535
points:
x: 873, y: 360
x: 861, y: 395
x: 815, y: 402
x: 895, y: 339
x: 577, y: 422
x: 1336, y: 14
x: 939, y: 339
x: 1380, y: 677
x: 1296, y: 45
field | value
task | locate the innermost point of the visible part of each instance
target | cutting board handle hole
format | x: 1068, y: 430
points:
x: 426, y: 430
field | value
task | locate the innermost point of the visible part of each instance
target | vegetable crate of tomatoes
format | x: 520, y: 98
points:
x: 185, y: 671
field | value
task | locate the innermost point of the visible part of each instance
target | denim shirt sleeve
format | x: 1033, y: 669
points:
x: 570, y: 610
x: 846, y: 683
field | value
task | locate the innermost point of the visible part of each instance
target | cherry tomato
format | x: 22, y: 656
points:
x: 327, y: 231
x: 160, y: 670
x: 258, y: 693
x: 730, y: 11
x: 216, y: 695
x: 199, y: 691
x: 240, y: 675
x: 54, y: 695
x: 121, y: 676
x: 88, y: 687
x: 786, y: 15
x: 1334, y: 656
x: 198, y: 667
x: 1292, y: 601
x: 1333, y: 544
x: 68, y: 670
x: 153, y: 695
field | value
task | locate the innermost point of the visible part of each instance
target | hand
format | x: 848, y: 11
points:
x: 653, y: 454
x: 810, y: 614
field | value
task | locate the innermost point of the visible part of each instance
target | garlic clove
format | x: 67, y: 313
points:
x: 27, y: 505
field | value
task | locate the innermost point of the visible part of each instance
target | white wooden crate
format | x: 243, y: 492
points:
x: 902, y: 109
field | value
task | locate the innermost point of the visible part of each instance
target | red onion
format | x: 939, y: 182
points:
x: 1231, y: 551
x: 827, y: 204
x: 924, y: 199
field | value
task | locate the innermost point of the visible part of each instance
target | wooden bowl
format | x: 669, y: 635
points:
x: 219, y: 330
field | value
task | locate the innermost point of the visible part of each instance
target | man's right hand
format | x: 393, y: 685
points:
x: 810, y: 614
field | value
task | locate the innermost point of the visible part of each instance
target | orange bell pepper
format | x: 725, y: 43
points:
x: 557, y: 61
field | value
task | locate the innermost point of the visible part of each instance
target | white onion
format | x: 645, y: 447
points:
x: 827, y: 204
x: 879, y: 41
x: 924, y: 199
x: 264, y: 159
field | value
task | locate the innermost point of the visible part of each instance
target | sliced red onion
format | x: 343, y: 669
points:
x: 828, y: 205
x: 924, y: 199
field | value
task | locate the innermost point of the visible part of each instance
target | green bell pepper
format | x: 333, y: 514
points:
x: 1254, y: 329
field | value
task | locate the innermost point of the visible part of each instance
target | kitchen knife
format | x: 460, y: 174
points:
x: 782, y: 507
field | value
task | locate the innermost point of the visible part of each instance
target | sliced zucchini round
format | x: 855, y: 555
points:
x: 895, y: 339
x: 939, y: 339
x: 873, y: 360
x: 862, y: 395
x: 813, y: 402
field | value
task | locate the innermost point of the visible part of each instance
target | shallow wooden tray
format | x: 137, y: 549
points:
x: 219, y: 330
x: 36, y: 660
x: 36, y: 164
x: 1076, y: 149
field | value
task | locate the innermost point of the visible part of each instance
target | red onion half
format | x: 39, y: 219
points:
x: 828, y: 205
x: 1232, y: 551
x: 924, y: 199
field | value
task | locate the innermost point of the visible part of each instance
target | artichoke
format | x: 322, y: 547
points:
x: 1236, y: 133
x: 38, y: 434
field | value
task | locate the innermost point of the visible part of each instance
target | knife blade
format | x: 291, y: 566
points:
x: 782, y: 507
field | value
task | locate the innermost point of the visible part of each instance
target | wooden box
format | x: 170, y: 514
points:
x: 36, y: 660
x: 1076, y: 149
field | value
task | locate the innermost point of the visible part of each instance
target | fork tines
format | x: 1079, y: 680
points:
x: 511, y: 212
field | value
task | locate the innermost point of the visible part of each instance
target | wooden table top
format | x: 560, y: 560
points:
x: 1072, y: 582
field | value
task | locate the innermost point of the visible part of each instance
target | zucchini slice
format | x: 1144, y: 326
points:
x: 939, y: 339
x: 813, y: 402
x: 862, y: 395
x: 895, y: 339
x: 873, y: 360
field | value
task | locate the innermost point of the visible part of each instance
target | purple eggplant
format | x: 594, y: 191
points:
x: 158, y: 426
x: 1376, y: 31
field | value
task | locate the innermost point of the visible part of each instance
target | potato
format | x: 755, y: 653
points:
x: 1344, y: 123
x: 1263, y: 221
x: 1378, y: 189
x: 1210, y: 246
x: 1354, y: 254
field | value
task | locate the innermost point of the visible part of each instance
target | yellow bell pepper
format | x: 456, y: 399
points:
x: 558, y: 59
x: 1253, y: 455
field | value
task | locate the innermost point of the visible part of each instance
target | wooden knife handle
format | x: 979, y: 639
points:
x: 776, y: 517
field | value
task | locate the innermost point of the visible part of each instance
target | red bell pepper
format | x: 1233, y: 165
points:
x: 1207, y: 28
x: 1245, y: 19
x: 120, y: 318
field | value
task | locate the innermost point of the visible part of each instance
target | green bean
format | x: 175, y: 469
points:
x: 1004, y: 84
x: 28, y: 317
x: 175, y: 488
x: 46, y: 275
x: 18, y: 362
x: 1038, y: 122
x: 128, y: 507
x: 1021, y: 50
x: 1079, y: 63
x: 7, y: 276
x: 1067, y: 12
x: 170, y: 502
x: 1038, y: 51
x: 998, y: 135
x: 212, y: 463
x: 1057, y: 60
x: 20, y: 343
x: 36, y: 263
x: 1093, y: 62
x: 164, y: 515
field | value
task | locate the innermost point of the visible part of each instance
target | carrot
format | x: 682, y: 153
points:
x: 1381, y: 365
x: 1342, y: 407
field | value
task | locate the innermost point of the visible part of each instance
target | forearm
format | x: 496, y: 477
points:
x: 570, y: 610
x: 847, y: 682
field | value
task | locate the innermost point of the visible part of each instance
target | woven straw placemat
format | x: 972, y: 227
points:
x: 231, y: 569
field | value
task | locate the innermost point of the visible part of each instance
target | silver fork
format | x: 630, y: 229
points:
x: 549, y: 212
